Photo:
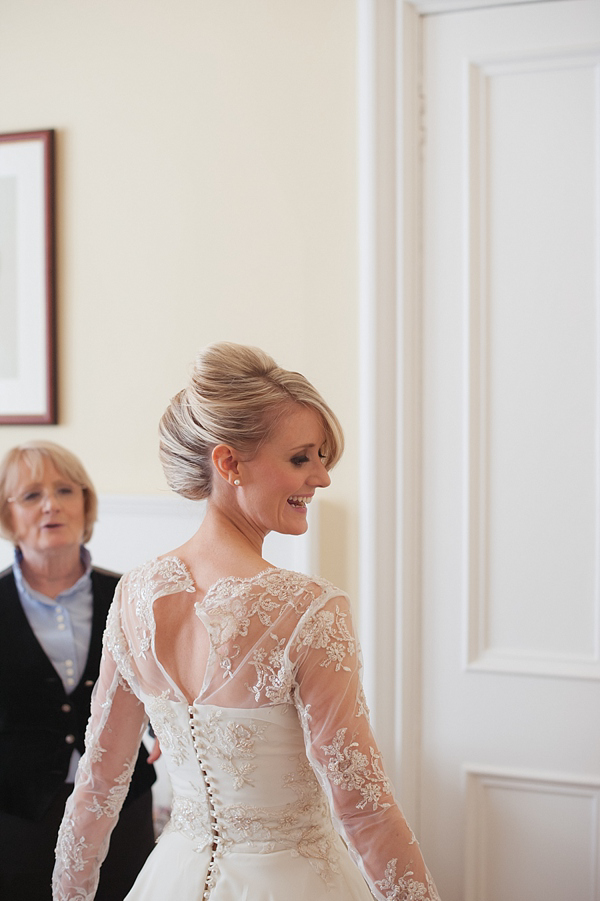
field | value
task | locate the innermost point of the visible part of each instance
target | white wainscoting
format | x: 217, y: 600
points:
x: 134, y: 528
x: 531, y: 835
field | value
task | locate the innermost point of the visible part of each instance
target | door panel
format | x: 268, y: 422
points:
x: 511, y: 423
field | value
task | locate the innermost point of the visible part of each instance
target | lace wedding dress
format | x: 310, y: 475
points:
x: 279, y: 792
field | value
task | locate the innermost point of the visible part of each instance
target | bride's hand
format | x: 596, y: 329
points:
x: 155, y: 752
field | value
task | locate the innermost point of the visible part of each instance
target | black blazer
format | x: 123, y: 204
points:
x: 40, y: 723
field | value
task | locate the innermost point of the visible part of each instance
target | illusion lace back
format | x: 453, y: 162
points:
x: 270, y: 764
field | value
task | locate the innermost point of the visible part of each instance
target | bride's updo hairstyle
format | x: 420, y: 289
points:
x: 236, y: 396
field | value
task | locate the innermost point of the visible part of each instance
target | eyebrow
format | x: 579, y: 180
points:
x: 39, y: 484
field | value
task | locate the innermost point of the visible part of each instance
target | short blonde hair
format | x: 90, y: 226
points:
x: 34, y: 453
x: 235, y: 396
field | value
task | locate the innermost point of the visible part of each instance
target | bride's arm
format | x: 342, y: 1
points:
x: 114, y: 732
x: 344, y: 754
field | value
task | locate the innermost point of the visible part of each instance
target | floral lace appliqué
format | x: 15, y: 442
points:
x: 116, y: 643
x: 272, y: 677
x: 69, y: 851
x: 405, y: 888
x: 299, y: 825
x: 232, y: 744
x: 159, y: 577
x: 362, y: 708
x: 329, y: 631
x: 190, y: 815
x: 116, y: 795
x: 350, y: 769
x: 170, y: 733
x: 232, y: 604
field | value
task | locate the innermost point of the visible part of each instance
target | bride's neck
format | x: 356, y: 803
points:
x: 222, y: 547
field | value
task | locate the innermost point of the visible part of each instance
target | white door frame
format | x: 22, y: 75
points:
x: 390, y: 117
x: 390, y: 364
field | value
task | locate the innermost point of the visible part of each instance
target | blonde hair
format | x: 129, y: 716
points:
x: 34, y: 453
x: 235, y: 396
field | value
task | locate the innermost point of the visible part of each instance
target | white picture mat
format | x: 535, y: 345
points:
x: 26, y: 392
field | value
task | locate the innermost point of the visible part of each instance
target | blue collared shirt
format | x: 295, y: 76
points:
x: 63, y: 626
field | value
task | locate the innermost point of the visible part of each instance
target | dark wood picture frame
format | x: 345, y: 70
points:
x: 27, y: 279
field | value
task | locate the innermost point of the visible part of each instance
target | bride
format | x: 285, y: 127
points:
x: 249, y: 674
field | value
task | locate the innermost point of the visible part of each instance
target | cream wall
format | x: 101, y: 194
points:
x: 206, y: 190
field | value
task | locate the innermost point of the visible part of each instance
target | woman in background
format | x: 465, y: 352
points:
x: 250, y: 675
x: 53, y: 608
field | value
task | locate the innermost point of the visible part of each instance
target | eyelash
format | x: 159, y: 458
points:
x: 298, y: 461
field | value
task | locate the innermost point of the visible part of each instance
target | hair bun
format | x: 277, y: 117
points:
x: 234, y: 396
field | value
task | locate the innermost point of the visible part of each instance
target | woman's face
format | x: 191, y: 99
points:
x: 280, y: 481
x: 47, y: 512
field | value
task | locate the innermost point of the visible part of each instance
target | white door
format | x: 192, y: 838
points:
x: 510, y: 774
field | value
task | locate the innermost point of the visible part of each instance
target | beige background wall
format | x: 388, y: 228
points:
x: 206, y: 190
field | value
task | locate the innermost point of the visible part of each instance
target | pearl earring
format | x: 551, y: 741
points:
x: 237, y: 483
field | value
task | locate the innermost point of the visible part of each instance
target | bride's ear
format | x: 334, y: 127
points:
x: 225, y: 461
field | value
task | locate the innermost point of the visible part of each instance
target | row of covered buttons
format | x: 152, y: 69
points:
x: 70, y: 672
x: 60, y: 625
x: 66, y: 708
x: 210, y: 791
x: 69, y: 739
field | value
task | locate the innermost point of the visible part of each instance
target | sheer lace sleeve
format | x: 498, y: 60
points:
x: 343, y: 752
x: 113, y: 737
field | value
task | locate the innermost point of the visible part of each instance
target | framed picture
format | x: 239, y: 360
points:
x: 27, y: 279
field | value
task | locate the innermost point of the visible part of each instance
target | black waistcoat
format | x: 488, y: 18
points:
x: 40, y: 723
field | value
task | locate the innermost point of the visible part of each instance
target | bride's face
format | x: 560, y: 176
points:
x: 281, y: 479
